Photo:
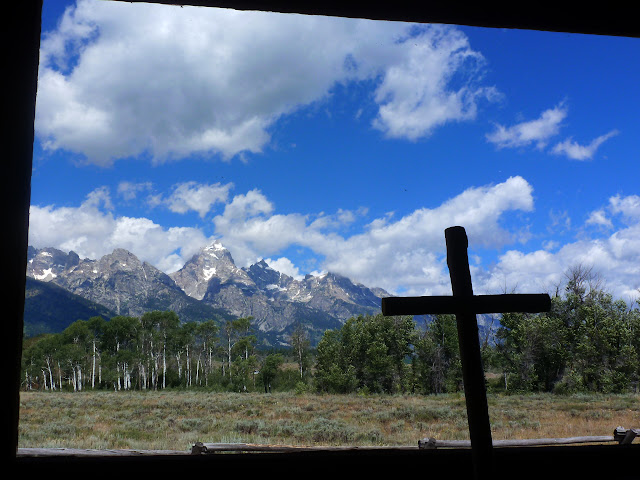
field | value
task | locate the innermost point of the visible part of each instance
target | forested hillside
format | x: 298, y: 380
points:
x: 48, y: 308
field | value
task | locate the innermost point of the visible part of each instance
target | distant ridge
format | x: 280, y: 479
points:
x: 49, y: 308
x: 209, y: 286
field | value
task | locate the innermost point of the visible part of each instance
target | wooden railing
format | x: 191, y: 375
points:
x: 620, y: 435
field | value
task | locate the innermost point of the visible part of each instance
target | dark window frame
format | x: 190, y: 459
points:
x: 22, y: 22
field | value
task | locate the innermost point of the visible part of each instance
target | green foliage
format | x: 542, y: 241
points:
x: 368, y: 352
x: 587, y: 342
x: 300, y: 348
x: 437, y: 365
x: 270, y: 369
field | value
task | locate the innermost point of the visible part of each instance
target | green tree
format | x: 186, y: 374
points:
x: 97, y: 327
x: 239, y: 341
x: 533, y: 349
x: 207, y: 337
x: 42, y: 363
x: 182, y: 345
x: 437, y: 366
x: 368, y: 352
x: 269, y: 370
x: 157, y: 328
x: 334, y: 372
x: 120, y: 343
x: 588, y: 341
x: 300, y: 344
x: 246, y: 339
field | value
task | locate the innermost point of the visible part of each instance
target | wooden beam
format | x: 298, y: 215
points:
x: 475, y: 391
x: 23, y: 47
x: 432, y: 443
x: 531, y: 303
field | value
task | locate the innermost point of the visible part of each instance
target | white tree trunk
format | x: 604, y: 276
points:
x: 93, y: 365
x: 164, y: 366
x: 198, y: 370
x: 179, y: 362
x: 229, y: 355
x: 188, y: 367
x: 143, y: 376
x: 51, y: 384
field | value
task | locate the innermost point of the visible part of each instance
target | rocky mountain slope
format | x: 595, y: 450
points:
x: 210, y: 285
x: 274, y: 299
x: 118, y: 281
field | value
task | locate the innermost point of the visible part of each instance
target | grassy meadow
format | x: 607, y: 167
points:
x: 175, y: 420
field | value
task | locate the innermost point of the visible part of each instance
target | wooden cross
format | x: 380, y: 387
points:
x: 465, y: 305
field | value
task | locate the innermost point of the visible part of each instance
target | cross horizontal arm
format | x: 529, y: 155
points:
x: 530, y: 303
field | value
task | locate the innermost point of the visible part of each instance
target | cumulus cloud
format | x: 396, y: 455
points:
x: 285, y: 266
x: 130, y: 190
x: 576, y: 151
x: 404, y: 253
x: 193, y: 196
x: 537, y: 131
x: 92, y: 232
x: 120, y: 80
x: 615, y: 256
x: 628, y: 207
x: 250, y: 230
x: 414, y: 95
x: 599, y: 218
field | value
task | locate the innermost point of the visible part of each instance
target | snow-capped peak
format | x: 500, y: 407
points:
x: 216, y: 246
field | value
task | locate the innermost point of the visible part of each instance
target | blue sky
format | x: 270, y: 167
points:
x: 337, y: 144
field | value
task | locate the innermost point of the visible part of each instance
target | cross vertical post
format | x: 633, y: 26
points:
x: 470, y: 355
x: 465, y: 305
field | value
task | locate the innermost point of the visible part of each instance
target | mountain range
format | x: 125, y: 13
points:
x: 63, y: 288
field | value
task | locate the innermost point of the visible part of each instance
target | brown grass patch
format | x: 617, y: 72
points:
x: 176, y: 420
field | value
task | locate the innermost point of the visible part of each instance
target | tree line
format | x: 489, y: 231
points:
x: 151, y: 352
x: 588, y: 341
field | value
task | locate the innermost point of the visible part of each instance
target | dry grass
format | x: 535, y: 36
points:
x: 177, y: 420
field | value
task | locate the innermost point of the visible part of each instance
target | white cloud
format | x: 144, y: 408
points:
x: 404, y: 255
x: 599, y: 218
x: 129, y: 190
x: 537, y: 131
x: 120, y: 80
x: 628, y: 207
x: 99, y: 196
x: 534, y: 272
x: 560, y: 221
x: 391, y: 254
x: 416, y: 94
x: 192, y: 196
x: 250, y: 231
x: 285, y: 266
x: 407, y: 255
x: 615, y: 257
x: 576, y: 151
x: 91, y: 233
